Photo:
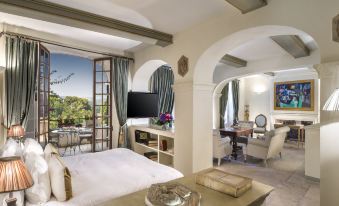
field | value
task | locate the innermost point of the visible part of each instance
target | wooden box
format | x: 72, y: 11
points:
x: 224, y: 182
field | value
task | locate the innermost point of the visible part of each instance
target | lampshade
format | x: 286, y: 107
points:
x: 332, y: 103
x: 16, y: 131
x: 14, y: 175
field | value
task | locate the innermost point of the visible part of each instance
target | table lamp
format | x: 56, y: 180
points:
x: 14, y: 176
x: 16, y: 131
x: 332, y: 103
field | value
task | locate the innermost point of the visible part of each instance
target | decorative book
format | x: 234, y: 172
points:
x: 171, y: 194
x: 224, y: 182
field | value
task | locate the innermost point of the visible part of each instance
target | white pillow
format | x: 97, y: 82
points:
x: 40, y: 192
x: 49, y: 149
x: 61, y: 182
x: 11, y: 148
x: 32, y: 146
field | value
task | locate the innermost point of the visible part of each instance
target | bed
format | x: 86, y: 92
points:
x: 99, y: 177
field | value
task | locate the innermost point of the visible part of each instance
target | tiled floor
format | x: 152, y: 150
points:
x: 286, y: 175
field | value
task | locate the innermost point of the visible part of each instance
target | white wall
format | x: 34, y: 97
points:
x: 329, y: 130
x: 329, y: 163
x: 312, y: 151
x: 257, y: 96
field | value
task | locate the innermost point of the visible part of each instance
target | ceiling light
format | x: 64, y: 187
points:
x: 332, y: 103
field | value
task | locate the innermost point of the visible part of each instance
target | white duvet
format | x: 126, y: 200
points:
x: 99, y: 177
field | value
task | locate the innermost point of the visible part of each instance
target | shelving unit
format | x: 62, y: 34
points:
x: 163, y: 157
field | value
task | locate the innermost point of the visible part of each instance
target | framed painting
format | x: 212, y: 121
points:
x: 294, y: 95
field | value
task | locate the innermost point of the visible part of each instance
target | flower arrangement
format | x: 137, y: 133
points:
x: 164, y: 118
x: 164, y: 121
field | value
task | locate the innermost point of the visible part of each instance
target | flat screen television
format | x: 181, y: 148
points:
x: 142, y: 105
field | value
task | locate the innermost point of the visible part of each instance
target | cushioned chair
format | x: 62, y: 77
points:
x: 221, y: 146
x: 260, y: 122
x: 270, y: 147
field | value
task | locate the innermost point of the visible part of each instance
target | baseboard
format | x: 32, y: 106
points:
x: 314, y: 179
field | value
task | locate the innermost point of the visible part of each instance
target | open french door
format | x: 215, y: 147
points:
x: 43, y: 95
x: 102, y: 105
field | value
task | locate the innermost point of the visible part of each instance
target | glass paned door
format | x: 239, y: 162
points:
x: 102, y: 108
x: 43, y: 95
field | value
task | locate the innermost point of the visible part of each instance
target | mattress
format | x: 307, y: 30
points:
x: 99, y: 177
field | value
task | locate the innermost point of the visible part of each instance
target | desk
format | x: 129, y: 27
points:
x: 234, y: 133
x: 298, y: 127
x: 253, y: 197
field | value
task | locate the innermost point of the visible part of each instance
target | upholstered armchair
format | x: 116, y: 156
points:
x: 271, y: 146
x: 221, y: 146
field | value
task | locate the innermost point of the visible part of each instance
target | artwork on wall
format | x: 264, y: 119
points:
x: 294, y: 95
x: 183, y: 66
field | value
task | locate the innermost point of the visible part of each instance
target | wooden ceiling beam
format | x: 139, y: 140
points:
x: 246, y: 6
x: 233, y: 61
x: 292, y: 44
x: 44, y: 10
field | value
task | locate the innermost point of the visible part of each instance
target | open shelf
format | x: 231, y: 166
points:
x: 164, y: 157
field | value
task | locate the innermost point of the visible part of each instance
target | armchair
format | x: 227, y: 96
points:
x: 271, y: 146
x: 221, y: 146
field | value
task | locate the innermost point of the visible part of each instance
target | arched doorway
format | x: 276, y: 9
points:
x: 204, y: 86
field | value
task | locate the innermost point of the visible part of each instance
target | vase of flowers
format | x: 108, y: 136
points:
x: 165, y: 121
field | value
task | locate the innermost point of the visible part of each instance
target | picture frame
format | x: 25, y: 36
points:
x: 294, y: 95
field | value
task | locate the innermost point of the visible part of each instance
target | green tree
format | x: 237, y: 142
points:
x: 76, y: 109
x: 56, y: 105
x: 70, y: 110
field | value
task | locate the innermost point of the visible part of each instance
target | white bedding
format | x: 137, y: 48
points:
x: 102, y: 176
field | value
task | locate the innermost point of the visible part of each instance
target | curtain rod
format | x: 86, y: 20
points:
x: 60, y: 44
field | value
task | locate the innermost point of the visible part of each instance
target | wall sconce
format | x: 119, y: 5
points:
x: 259, y: 88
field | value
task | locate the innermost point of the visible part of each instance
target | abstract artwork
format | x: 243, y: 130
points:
x: 294, y: 95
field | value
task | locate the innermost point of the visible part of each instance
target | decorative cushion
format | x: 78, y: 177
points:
x: 40, y: 192
x: 11, y: 148
x: 49, y: 149
x: 60, y: 176
x: 32, y: 146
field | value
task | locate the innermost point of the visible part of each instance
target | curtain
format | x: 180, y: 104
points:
x: 235, y: 94
x: 223, y: 104
x: 120, y: 69
x: 161, y: 83
x: 20, y: 78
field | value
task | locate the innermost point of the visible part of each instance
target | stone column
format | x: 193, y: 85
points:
x: 202, y: 126
x: 183, y: 141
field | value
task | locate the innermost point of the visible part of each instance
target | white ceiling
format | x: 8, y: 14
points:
x: 169, y: 16
x: 100, y: 39
x: 258, y: 49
